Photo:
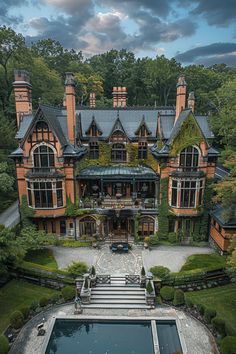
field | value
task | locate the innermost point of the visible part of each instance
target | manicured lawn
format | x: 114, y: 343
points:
x: 16, y: 294
x: 222, y: 299
x: 43, y: 257
x: 199, y: 261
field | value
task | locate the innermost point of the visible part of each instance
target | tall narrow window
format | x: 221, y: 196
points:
x: 189, y: 158
x: 43, y: 194
x: 188, y: 194
x: 43, y: 157
x: 59, y: 192
x: 93, y: 150
x: 142, y: 150
x: 118, y: 153
x: 174, y: 193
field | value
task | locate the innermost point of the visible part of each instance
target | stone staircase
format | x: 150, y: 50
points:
x: 117, y: 294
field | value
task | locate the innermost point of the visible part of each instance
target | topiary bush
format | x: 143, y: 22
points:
x: 143, y: 273
x: 178, y: 298
x: 43, y: 301
x: 55, y: 298
x: 149, y: 287
x: 77, y: 268
x: 201, y: 309
x: 188, y: 301
x: 4, y: 344
x: 167, y: 293
x: 68, y: 293
x: 93, y: 271
x: 209, y: 314
x: 25, y: 310
x: 219, y: 325
x: 160, y: 271
x: 158, y: 300
x: 17, y: 319
x: 228, y: 345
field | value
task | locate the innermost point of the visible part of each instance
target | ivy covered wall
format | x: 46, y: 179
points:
x: 190, y: 134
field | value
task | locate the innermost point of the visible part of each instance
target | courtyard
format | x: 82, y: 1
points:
x: 106, y: 262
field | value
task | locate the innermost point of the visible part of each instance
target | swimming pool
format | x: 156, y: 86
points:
x: 75, y: 336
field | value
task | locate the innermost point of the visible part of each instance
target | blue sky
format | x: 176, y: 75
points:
x: 196, y: 31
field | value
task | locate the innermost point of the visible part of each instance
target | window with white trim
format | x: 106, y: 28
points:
x: 189, y: 158
x: 45, y: 194
x: 43, y: 157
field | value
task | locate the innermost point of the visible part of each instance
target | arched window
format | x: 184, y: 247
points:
x: 43, y: 157
x: 189, y: 158
x: 118, y: 153
x: 87, y: 226
x: 146, y: 226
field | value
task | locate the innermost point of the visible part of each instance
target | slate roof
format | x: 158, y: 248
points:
x: 24, y: 126
x: 218, y: 215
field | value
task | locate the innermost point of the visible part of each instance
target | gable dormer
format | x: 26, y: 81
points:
x: 143, y: 130
x: 93, y: 129
x: 118, y: 132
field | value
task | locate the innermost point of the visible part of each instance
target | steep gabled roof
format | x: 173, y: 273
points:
x: 117, y: 126
x: 143, y: 123
x: 96, y: 124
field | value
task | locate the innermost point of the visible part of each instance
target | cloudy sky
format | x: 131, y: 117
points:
x: 192, y: 31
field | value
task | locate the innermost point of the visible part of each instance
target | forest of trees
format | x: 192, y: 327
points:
x: 149, y: 81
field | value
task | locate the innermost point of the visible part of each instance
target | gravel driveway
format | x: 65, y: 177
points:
x: 172, y: 257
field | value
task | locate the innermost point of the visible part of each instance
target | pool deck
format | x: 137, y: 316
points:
x: 192, y: 333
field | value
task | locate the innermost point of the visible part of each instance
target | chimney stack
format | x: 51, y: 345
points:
x: 191, y: 101
x: 119, y: 96
x: 70, y: 105
x: 92, y: 100
x: 180, y: 96
x: 23, y: 94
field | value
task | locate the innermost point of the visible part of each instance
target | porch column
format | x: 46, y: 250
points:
x: 156, y: 193
x: 101, y: 187
x: 134, y: 187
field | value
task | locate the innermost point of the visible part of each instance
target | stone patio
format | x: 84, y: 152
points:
x: 106, y: 262
x: 197, y: 338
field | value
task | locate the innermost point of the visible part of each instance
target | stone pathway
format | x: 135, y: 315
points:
x: 106, y: 262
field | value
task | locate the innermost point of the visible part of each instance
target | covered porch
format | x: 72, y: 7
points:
x: 118, y: 187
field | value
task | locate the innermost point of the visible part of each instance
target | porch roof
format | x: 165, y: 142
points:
x: 126, y: 172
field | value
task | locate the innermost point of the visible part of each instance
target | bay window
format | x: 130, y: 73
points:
x: 45, y: 194
x: 186, y: 193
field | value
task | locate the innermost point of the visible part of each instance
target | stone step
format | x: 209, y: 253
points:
x: 119, y: 301
x: 118, y: 284
x: 132, y: 296
x: 116, y: 306
x: 118, y: 288
x: 108, y: 292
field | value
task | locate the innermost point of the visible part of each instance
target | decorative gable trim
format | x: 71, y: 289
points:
x: 143, y: 124
x: 93, y: 123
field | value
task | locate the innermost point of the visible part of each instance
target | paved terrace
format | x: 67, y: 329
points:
x: 197, y: 338
x: 106, y: 262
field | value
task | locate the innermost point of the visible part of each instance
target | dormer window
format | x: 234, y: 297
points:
x: 118, y: 153
x: 42, y: 131
x: 93, y: 150
x: 93, y: 129
x: 189, y: 158
x: 142, y: 150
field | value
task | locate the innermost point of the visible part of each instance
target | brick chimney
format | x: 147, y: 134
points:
x: 191, y: 101
x: 119, y: 96
x: 180, y: 96
x: 92, y: 100
x: 70, y: 105
x: 23, y: 94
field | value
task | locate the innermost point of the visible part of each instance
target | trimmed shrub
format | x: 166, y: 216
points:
x: 158, y: 300
x: 143, y: 273
x: 17, y: 319
x: 201, y: 309
x: 178, y: 298
x: 93, y: 271
x: 160, y: 271
x: 219, y: 325
x: 77, y: 269
x: 34, y: 305
x: 167, y: 293
x: 228, y: 345
x: 68, y: 293
x: 172, y: 237
x: 4, y: 344
x: 209, y: 314
x: 188, y: 301
x: 25, y: 310
x: 149, y: 287
x: 43, y: 301
x: 55, y: 298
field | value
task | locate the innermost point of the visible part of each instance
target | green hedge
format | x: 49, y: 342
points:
x: 228, y: 345
x: 17, y: 319
x: 219, y: 325
x: 25, y: 310
x: 43, y: 301
x: 160, y: 271
x: 178, y: 298
x: 68, y: 293
x: 209, y: 314
x: 4, y: 344
x: 167, y: 293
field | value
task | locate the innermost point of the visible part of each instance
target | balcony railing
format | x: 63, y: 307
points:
x: 44, y: 172
x: 121, y: 203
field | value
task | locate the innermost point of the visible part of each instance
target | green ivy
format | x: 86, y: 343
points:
x: 163, y: 220
x: 190, y: 134
x: 26, y: 213
x: 72, y: 209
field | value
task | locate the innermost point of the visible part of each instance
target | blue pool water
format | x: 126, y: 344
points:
x: 168, y: 337
x: 100, y: 337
